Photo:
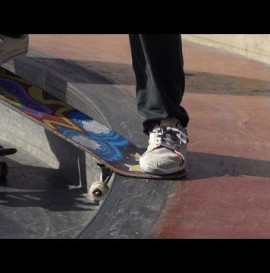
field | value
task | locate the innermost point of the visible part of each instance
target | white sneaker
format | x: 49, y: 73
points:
x: 167, y: 150
x: 12, y: 47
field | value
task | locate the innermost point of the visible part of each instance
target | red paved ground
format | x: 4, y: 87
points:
x: 227, y: 193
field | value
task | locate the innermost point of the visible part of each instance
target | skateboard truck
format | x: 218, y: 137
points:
x: 99, y: 189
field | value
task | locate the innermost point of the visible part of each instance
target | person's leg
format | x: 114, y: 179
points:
x: 158, y: 66
x: 160, y: 83
x: 13, y: 45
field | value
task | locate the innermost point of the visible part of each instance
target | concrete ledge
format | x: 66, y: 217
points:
x: 253, y: 46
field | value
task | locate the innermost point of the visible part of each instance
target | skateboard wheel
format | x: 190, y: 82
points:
x: 3, y: 169
x: 98, y: 190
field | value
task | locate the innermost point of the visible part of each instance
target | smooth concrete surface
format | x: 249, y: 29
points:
x: 38, y: 202
x: 253, y: 46
x: 226, y: 191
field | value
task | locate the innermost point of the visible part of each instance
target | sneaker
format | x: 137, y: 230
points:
x: 12, y: 47
x: 167, y: 150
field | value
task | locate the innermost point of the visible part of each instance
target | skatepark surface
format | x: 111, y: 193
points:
x: 226, y: 191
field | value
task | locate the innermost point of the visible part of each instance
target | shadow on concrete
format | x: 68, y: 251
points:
x: 29, y: 186
x: 75, y: 167
x: 37, y: 202
x: 201, y: 166
x: 122, y: 74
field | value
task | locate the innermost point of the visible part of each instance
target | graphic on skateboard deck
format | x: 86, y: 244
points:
x: 3, y: 165
x: 111, y: 149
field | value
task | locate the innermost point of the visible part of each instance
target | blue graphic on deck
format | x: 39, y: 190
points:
x: 104, y: 145
x: 97, y: 138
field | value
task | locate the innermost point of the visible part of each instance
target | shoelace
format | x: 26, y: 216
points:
x: 171, y: 138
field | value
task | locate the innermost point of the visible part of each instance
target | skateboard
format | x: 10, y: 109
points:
x: 113, y: 152
x: 3, y: 165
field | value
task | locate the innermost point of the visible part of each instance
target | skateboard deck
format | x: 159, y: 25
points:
x: 106, y: 145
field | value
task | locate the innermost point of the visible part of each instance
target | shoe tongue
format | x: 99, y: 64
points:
x: 169, y: 122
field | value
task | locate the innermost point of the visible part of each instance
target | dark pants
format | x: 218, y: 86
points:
x: 158, y: 65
